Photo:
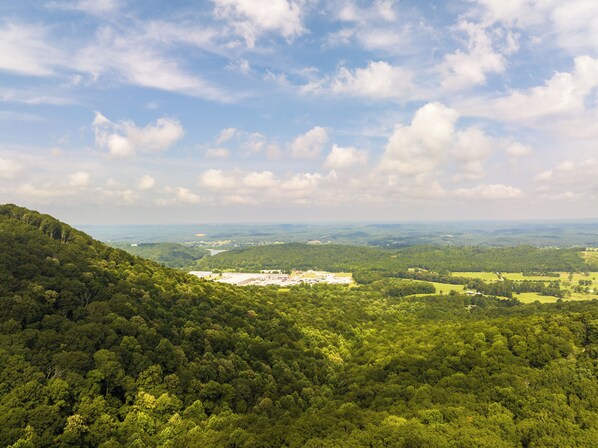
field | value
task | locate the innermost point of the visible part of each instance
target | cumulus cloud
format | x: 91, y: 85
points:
x: 9, y: 169
x: 252, y: 18
x: 263, y: 179
x: 517, y: 150
x: 374, y: 26
x: 310, y: 144
x: 125, y: 139
x: 253, y: 143
x: 79, y: 179
x: 563, y: 94
x: 341, y: 158
x: 491, y: 192
x: 378, y: 81
x: 463, y: 69
x: 216, y: 180
x: 433, y: 143
x: 146, y: 182
x: 186, y: 196
x: 565, y: 171
x: 225, y: 135
x: 572, y: 25
x: 419, y: 147
x: 45, y: 191
x: 303, y: 182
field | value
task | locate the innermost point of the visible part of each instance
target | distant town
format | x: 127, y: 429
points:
x: 276, y: 277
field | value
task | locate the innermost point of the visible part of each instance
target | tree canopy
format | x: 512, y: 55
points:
x: 99, y: 348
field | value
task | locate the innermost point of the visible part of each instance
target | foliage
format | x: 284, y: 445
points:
x: 429, y: 263
x: 172, y: 255
x: 101, y: 348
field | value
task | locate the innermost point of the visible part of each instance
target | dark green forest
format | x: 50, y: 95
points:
x: 100, y: 348
x: 173, y: 255
x: 368, y: 264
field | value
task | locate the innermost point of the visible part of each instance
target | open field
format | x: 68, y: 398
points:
x: 591, y: 257
x: 530, y: 297
x: 518, y: 276
x: 567, y: 280
x: 445, y: 288
x: 486, y: 276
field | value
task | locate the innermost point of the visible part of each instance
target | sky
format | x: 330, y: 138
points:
x: 154, y: 112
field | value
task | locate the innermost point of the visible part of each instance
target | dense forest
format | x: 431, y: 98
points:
x: 100, y: 348
x: 369, y: 264
x: 173, y: 255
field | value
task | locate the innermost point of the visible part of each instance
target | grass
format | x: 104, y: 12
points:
x: 530, y: 297
x: 486, y: 276
x: 443, y: 288
x: 591, y: 257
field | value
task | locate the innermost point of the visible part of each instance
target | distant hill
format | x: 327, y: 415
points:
x: 173, y: 255
x: 100, y: 348
x: 390, y: 262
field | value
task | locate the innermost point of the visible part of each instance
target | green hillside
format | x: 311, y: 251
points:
x: 99, y: 348
x: 173, y: 255
x: 353, y: 258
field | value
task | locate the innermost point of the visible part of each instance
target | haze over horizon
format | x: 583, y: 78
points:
x: 128, y: 112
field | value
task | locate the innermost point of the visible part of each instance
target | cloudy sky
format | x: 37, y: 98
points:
x: 125, y: 111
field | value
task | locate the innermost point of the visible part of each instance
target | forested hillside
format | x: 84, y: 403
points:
x: 102, y: 348
x: 370, y: 263
x: 172, y: 255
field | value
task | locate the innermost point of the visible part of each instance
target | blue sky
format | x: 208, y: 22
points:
x: 299, y: 110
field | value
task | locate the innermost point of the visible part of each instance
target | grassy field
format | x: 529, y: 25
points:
x: 568, y: 281
x: 591, y: 257
x: 486, y: 276
x: 445, y: 288
x: 518, y: 276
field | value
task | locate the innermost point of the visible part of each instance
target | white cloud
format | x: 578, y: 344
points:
x: 79, y: 179
x: 45, y: 191
x: 434, y: 145
x: 516, y: 150
x: 572, y: 25
x: 24, y: 50
x: 217, y: 153
x: 463, y: 69
x: 349, y: 11
x: 146, y: 182
x: 569, y: 172
x: 378, y: 81
x: 253, y: 143
x: 303, y: 182
x: 187, y: 197
x: 310, y: 144
x: 471, y: 148
x: 125, y: 139
x: 9, y: 169
x: 490, y: 192
x: 32, y: 97
x: 225, y: 135
x: 138, y: 55
x: 342, y: 158
x: 419, y: 147
x: 217, y: 180
x: 252, y: 18
x: 562, y: 95
x: 94, y: 7
x: 263, y: 179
